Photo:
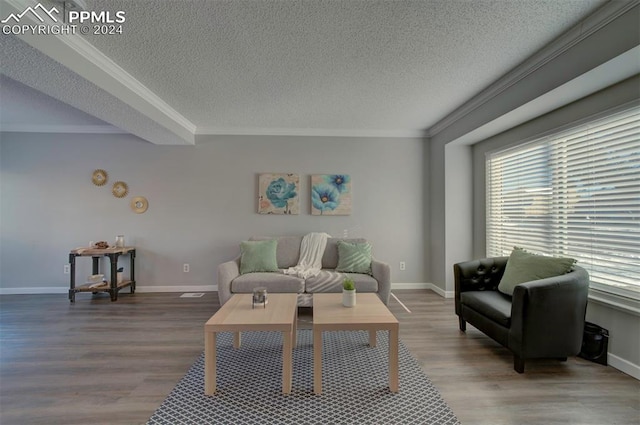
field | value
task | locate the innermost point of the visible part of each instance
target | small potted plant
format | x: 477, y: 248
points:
x: 348, y: 292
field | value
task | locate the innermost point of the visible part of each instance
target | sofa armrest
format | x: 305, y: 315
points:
x: 547, y: 315
x: 226, y: 273
x: 382, y: 273
x: 478, y: 275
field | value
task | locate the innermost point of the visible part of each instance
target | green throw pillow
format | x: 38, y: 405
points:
x: 258, y: 256
x: 354, y: 257
x: 523, y: 266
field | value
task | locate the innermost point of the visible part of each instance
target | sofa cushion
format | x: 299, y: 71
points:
x: 331, y: 281
x: 288, y: 250
x: 258, y: 256
x: 493, y: 304
x: 523, y: 266
x: 354, y: 257
x: 273, y: 281
x: 330, y: 256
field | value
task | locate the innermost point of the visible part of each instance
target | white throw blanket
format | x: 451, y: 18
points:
x: 311, y: 252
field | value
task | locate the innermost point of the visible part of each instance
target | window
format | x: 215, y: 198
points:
x: 574, y: 194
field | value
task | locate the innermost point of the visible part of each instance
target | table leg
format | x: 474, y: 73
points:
x: 96, y: 265
x: 295, y: 328
x: 72, y: 278
x: 393, y: 359
x: 372, y: 338
x: 237, y: 340
x: 317, y: 360
x: 132, y: 274
x: 113, y: 284
x: 287, y: 361
x: 210, y: 362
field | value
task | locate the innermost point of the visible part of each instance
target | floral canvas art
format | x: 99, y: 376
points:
x: 278, y: 194
x: 330, y: 194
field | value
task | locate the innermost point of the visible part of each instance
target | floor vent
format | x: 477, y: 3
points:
x: 192, y: 295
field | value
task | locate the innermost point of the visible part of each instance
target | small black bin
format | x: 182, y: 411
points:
x: 595, y: 342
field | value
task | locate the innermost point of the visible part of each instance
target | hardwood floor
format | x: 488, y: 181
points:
x: 98, y: 362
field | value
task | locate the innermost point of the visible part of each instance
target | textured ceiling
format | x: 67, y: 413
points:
x: 353, y: 65
x: 387, y: 65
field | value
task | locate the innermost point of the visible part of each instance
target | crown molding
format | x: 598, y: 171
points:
x: 309, y: 132
x: 596, y: 21
x: 55, y: 128
x: 614, y: 71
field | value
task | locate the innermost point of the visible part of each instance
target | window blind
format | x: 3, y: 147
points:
x: 574, y: 194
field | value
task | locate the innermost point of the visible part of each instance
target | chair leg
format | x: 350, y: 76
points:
x: 463, y: 324
x: 518, y: 364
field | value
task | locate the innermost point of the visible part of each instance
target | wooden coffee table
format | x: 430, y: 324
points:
x: 368, y: 314
x: 237, y: 315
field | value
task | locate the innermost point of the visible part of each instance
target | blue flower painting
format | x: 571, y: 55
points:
x: 325, y: 197
x: 339, y: 181
x: 330, y: 194
x: 278, y: 194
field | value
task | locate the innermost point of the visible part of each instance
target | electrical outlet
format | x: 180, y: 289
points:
x: 185, y: 267
x: 67, y: 269
x: 403, y: 265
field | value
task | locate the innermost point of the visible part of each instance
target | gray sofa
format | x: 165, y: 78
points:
x: 230, y: 281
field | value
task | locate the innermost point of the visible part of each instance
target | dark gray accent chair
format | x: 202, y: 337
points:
x: 543, y: 319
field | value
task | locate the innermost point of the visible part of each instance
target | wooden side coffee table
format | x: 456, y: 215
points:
x: 113, y: 287
x: 368, y: 314
x: 237, y: 315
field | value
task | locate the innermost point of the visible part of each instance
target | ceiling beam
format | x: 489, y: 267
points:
x: 81, y: 58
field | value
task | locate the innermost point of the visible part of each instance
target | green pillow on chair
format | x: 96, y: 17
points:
x: 258, y: 256
x: 354, y: 257
x: 523, y: 266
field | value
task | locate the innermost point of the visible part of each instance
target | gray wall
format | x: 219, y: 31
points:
x: 458, y: 205
x: 202, y: 202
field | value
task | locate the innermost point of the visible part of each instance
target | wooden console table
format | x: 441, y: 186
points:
x: 111, y: 287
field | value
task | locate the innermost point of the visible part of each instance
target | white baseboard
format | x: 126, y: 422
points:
x: 35, y: 290
x: 186, y: 288
x: 423, y: 285
x: 623, y: 365
x: 409, y: 286
x: 438, y: 290
x: 65, y: 289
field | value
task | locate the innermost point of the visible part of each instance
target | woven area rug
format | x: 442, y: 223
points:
x: 355, y: 385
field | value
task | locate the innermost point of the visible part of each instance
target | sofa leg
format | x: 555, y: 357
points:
x: 518, y: 364
x: 463, y: 324
x: 562, y: 359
